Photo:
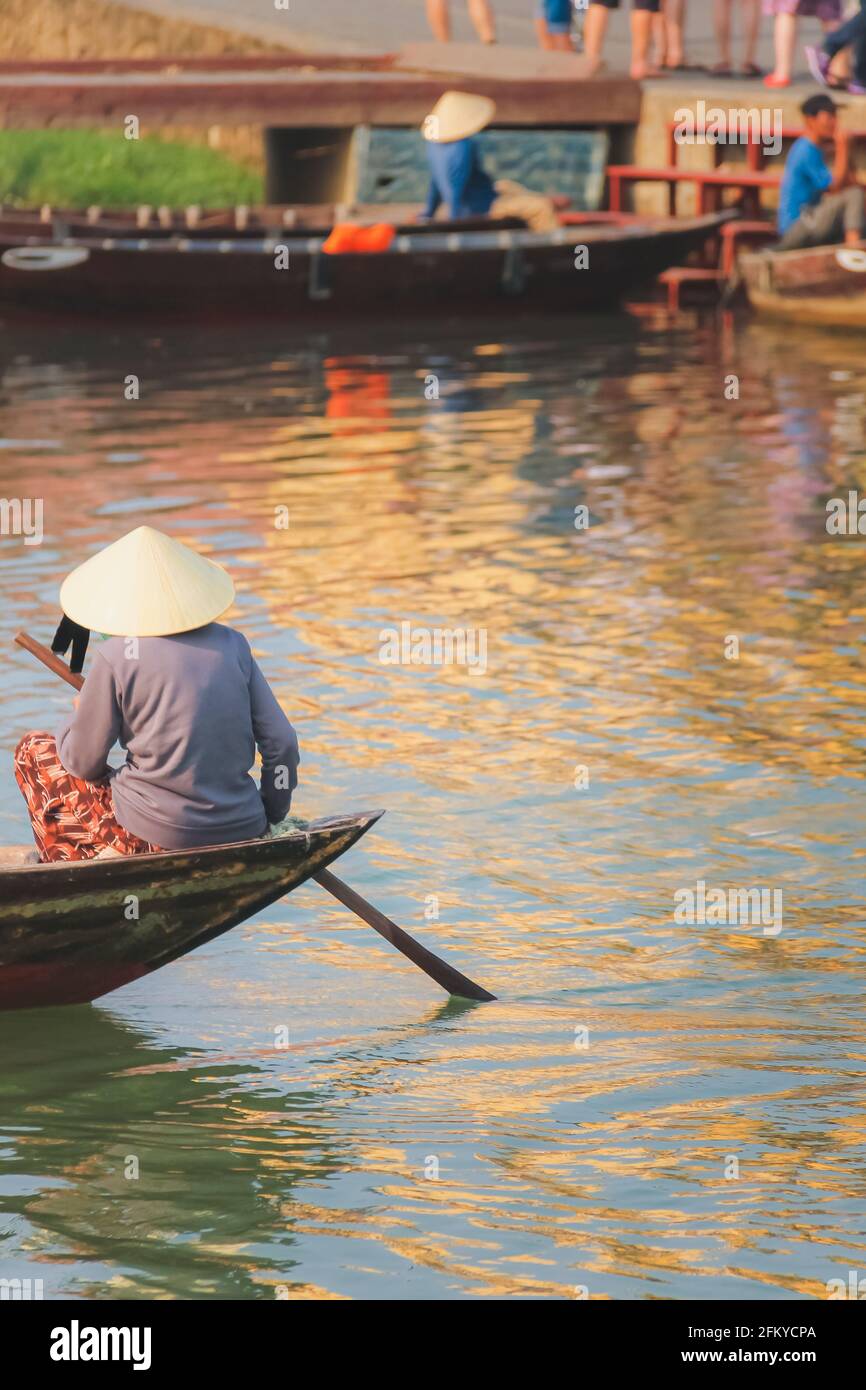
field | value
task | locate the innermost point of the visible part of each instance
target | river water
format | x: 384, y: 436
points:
x: 651, y: 1109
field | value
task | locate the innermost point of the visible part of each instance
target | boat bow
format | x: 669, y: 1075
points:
x: 71, y: 932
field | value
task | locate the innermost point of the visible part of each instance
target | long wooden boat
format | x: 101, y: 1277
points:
x: 244, y: 222
x: 439, y: 268
x: 818, y: 285
x: 70, y: 933
x: 260, y: 219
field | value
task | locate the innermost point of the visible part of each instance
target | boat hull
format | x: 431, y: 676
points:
x: 821, y: 285
x: 70, y: 933
x: 292, y: 277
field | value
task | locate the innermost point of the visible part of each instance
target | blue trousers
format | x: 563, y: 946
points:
x: 852, y: 32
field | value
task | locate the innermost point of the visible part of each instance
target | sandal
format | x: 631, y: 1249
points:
x: 751, y: 70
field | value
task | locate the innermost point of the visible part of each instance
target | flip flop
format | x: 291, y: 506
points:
x: 751, y: 70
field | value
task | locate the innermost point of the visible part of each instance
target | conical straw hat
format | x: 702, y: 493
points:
x: 457, y: 115
x: 146, y: 585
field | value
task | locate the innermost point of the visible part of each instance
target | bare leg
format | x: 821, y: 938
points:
x: 594, y: 32
x: 641, y: 32
x: 482, y: 18
x: 785, y: 35
x: 545, y: 38
x: 752, y: 23
x: 722, y: 17
x: 660, y: 39
x: 674, y: 19
x: 439, y: 19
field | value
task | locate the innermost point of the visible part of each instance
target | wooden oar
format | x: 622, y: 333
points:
x: 439, y: 970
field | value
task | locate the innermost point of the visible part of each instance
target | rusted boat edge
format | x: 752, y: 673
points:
x: 266, y: 848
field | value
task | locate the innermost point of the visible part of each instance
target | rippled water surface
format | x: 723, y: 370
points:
x: 309, y: 1171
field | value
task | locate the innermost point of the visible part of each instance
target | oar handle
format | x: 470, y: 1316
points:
x: 49, y: 659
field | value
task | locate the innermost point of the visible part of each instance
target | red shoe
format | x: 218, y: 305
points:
x: 774, y: 81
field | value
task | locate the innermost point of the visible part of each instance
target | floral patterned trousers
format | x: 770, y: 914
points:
x: 71, y: 819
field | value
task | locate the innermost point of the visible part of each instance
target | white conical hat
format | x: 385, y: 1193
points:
x: 146, y: 585
x: 456, y: 116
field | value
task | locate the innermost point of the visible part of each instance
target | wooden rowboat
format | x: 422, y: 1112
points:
x: 218, y: 888
x: 72, y: 932
x: 265, y: 220
x: 430, y: 270
x: 818, y: 285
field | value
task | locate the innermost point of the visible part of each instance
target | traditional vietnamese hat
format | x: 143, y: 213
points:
x: 456, y: 116
x: 146, y: 585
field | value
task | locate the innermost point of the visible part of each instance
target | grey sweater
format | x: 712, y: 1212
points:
x: 189, y: 710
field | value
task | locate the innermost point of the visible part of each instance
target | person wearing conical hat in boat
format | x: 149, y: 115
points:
x: 458, y: 179
x: 182, y: 695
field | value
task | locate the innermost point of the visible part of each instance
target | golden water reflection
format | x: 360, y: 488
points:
x: 559, y: 1166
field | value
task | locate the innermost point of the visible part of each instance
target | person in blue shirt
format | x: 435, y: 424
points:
x: 819, y: 206
x: 459, y: 182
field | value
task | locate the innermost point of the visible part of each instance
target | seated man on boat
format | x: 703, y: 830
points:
x: 819, y: 206
x: 180, y: 692
x: 459, y: 180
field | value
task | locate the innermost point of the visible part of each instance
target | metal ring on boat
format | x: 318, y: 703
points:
x: 44, y: 257
x: 851, y: 258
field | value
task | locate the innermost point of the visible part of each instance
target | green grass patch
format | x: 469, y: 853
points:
x: 77, y: 168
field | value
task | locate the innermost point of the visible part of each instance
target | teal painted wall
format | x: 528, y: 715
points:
x: 391, y: 165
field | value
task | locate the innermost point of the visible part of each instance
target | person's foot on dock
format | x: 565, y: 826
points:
x: 819, y: 63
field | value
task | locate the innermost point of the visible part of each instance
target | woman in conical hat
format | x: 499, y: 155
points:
x: 179, y: 691
x: 458, y: 179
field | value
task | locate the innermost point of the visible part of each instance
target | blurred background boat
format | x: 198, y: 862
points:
x: 116, y: 266
x: 821, y: 285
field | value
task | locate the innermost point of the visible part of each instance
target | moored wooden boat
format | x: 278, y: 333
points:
x: 262, y: 220
x: 434, y: 269
x: 72, y: 932
x: 819, y: 285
